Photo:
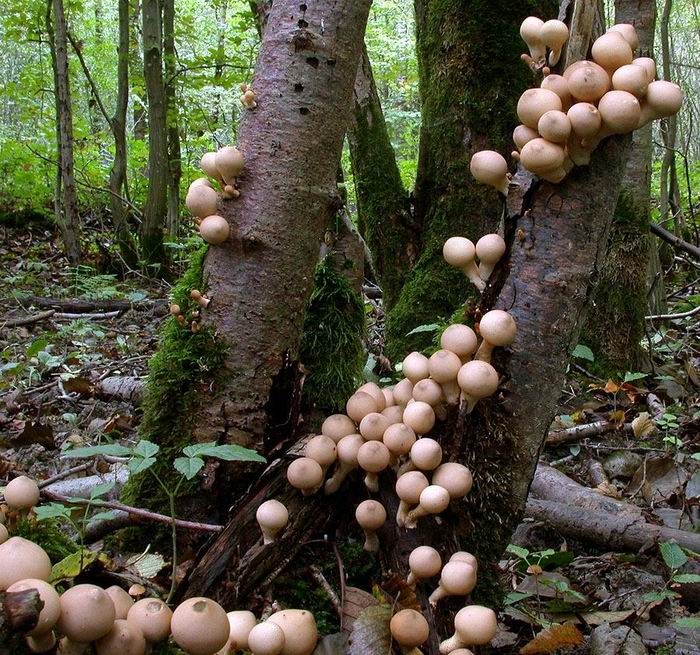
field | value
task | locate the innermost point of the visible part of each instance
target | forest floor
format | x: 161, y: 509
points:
x: 70, y: 376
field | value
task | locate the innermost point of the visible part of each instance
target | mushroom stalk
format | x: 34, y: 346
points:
x: 68, y: 647
x: 372, y: 482
x: 41, y: 643
x: 485, y: 351
x: 333, y: 483
x: 453, y: 643
x: 472, y: 272
x: 437, y: 595
x: 402, y: 512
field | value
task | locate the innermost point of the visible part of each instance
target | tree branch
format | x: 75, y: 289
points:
x: 675, y: 241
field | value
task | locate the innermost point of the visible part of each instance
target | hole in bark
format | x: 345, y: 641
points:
x: 302, y: 23
x: 331, y: 62
x: 282, y: 408
x: 303, y: 111
x: 312, y: 61
x: 298, y: 87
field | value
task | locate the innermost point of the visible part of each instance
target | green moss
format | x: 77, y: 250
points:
x: 332, y: 347
x: 49, y: 536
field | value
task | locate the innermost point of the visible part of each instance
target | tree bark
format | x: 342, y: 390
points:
x: 138, y: 88
x: 19, y: 613
x: 172, y: 118
x: 155, y: 210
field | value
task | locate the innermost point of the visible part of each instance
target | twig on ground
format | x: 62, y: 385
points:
x: 66, y: 474
x: 27, y: 320
x: 318, y: 576
x: 577, y: 432
x: 665, y: 317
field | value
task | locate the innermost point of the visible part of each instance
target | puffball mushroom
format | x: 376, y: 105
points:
x: 21, y: 559
x: 203, y: 181
x: 444, y: 366
x: 409, y: 629
x: 201, y: 200
x: 474, y: 626
x: 240, y: 624
x: 214, y: 229
x: 394, y: 414
x: 611, y: 51
x: 347, y: 461
x: 373, y: 426
x: 554, y: 34
x: 477, y: 380
x: 208, y: 165
x: 649, y: 65
x: 585, y: 119
x: 530, y: 32
x: 424, y: 562
x: 426, y: 454
x: 373, y: 457
x: 305, y: 474
x: 152, y: 616
x: 489, y: 249
x: 454, y: 477
x: 4, y: 534
x: 300, y: 632
x: 533, y: 103
x: 415, y: 367
x: 21, y: 493
x: 433, y: 500
x: 41, y: 637
x: 200, y: 626
x: 419, y: 416
x: 463, y: 556
x: 409, y: 487
x: 375, y: 391
x: 545, y: 159
x: 522, y: 134
x: 87, y: 614
x: 460, y: 253
x: 399, y: 439
x: 123, y: 639
x: 489, y: 167
x: 628, y: 33
x: 359, y: 405
x: 229, y: 162
x: 555, y: 126
x: 321, y: 449
x: 403, y: 391
x: 428, y: 391
x: 266, y: 639
x: 620, y: 112
x: 460, y: 339
x: 663, y: 99
x: 121, y: 600
x: 456, y: 579
x: 560, y: 86
x: 338, y: 426
x: 371, y: 516
x: 497, y: 328
x: 272, y: 516
x: 588, y: 82
x: 388, y: 397
x: 631, y: 78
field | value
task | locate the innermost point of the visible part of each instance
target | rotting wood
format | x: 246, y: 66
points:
x: 81, y: 306
x: 19, y: 613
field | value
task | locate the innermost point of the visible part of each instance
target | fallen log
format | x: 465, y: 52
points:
x: 83, y: 306
x: 556, y: 437
x: 130, y: 389
x: 19, y: 613
x: 27, y: 320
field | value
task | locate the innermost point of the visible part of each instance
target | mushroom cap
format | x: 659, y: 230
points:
x: 554, y: 34
x: 373, y: 456
x: 338, y: 426
x: 415, y: 366
x: 585, y: 119
x: 554, y: 126
x: 21, y: 493
x: 373, y: 426
x: 424, y: 562
x: 454, y: 477
x: 559, y: 85
x: 272, y: 515
x: 631, y: 78
x: 588, y: 82
x: 305, y: 473
x: 393, y: 413
x: 201, y: 200
x: 300, y: 632
x: 522, y: 134
x: 489, y: 249
x: 458, y: 578
x: 426, y: 454
x: 208, y: 165
x: 4, y: 534
x: 542, y: 156
x: 321, y: 449
x: 240, y: 623
x: 388, y: 397
x: 649, y: 65
x: 203, y: 181
x: 376, y: 392
x: 460, y: 339
x: 266, y: 638
x: 611, y: 51
x: 152, y: 616
x: 370, y: 514
x: 459, y: 252
x: 530, y: 30
x: 121, y: 600
x: 87, y: 613
x: 399, y: 439
x: 419, y: 416
x: 476, y: 625
x: 359, y: 405
x: 498, y: 327
x: 461, y: 651
x: 410, y: 486
x: 403, y: 391
x: 463, y: 556
x: 627, y: 32
x: 200, y: 626
x: 348, y: 447
x: 229, y: 162
x: 664, y: 98
x: 620, y: 111
x: 409, y: 628
x: 535, y: 102
x: 123, y: 639
x: 444, y: 366
x: 214, y: 229
x: 21, y: 559
x: 478, y: 379
x: 48, y: 617
x: 434, y: 499
x: 489, y: 167
x: 429, y: 391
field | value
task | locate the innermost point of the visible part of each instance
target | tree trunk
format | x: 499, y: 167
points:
x: 154, y: 213
x: 174, y: 153
x: 138, y: 88
x: 221, y: 14
x: 616, y: 326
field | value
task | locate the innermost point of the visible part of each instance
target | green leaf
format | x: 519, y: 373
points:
x: 583, y: 352
x: 188, y: 466
x: 654, y: 596
x: 686, y: 578
x: 515, y: 597
x: 522, y: 553
x: 431, y: 327
x: 111, y: 449
x: 692, y: 622
x: 36, y: 347
x: 51, y: 511
x: 103, y: 516
x: 226, y: 452
x: 146, y: 448
x: 674, y: 557
x: 101, y: 490
x: 140, y: 464
x: 631, y: 377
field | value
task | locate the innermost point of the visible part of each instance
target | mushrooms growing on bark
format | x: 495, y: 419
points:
x: 208, y: 165
x: 628, y: 33
x: 409, y: 487
x: 460, y: 339
x: 588, y: 82
x: 200, y: 626
x: 409, y: 629
x: 371, y: 516
x: 545, y: 159
x: 266, y: 638
x: 631, y: 78
x: 474, y: 626
x: 87, y: 614
x: 554, y: 34
x: 375, y: 391
x: 454, y: 477
x: 414, y: 367
x: 305, y: 474
x: 201, y: 200
x: 347, y: 461
x: 663, y: 99
x: 497, y: 328
x: 200, y: 299
x: 560, y: 86
x: 21, y: 493
x: 403, y: 391
x: 21, y: 559
x: 300, y: 632
x: 321, y: 449
x: 419, y: 416
x: 399, y: 439
x: 359, y: 405
x: 240, y: 624
x: 611, y: 51
x: 152, y: 616
x: 424, y: 562
x: 554, y: 126
x: 214, y: 229
x: 443, y: 366
x: 456, y: 579
x: 533, y: 103
x: 477, y: 380
x: 123, y: 639
x: 272, y: 516
x: 489, y: 249
x: 338, y: 426
x: 428, y: 391
x: 489, y: 167
x: 433, y: 500
x: 373, y: 457
x: 373, y: 426
x: 530, y: 32
x: 41, y: 638
x: 460, y: 253
x: 121, y: 600
x: 229, y: 162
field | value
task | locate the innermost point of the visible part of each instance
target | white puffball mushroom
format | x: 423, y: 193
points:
x: 300, y: 631
x: 433, y: 500
x: 403, y: 391
x: 530, y: 31
x: 554, y: 126
x: 201, y: 200
x: 489, y: 249
x: 628, y: 33
x: 338, y: 426
x: 272, y: 516
x: 588, y: 82
x: 454, y: 477
x: 399, y: 439
x: 478, y: 380
x: 87, y: 614
x: 152, y: 616
x: 554, y: 34
x: 229, y: 162
x: 489, y: 167
x: 376, y: 392
x: 21, y: 559
x: 463, y: 556
x: 388, y: 397
x: 41, y: 637
x: 425, y: 455
x: 409, y: 629
x: 347, y: 448
x: 444, y: 366
x: 371, y: 516
x: 663, y: 99
x: 424, y: 562
x: 522, y: 134
x: 533, y: 103
x: 474, y: 626
x: 631, y: 78
x: 208, y: 165
x: 373, y: 426
x: 560, y: 86
x: 649, y: 65
x: 393, y: 413
x: 611, y: 51
x: 419, y: 416
x: 305, y: 474
x: 123, y: 639
x: 460, y: 252
x: 240, y: 623
x: 266, y: 638
x: 415, y: 367
x: 373, y: 457
x: 214, y: 229
x: 460, y: 339
x: 497, y: 328
x: 409, y: 487
x: 121, y: 600
x: 200, y: 626
x: 359, y: 405
x: 4, y: 534
x: 22, y: 493
x: 456, y: 579
x: 323, y: 450
x: 428, y: 391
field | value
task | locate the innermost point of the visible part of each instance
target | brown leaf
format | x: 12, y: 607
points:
x: 117, y: 422
x: 397, y: 591
x: 35, y: 432
x: 552, y: 639
x: 617, y: 416
x: 80, y: 385
x: 370, y: 634
x: 643, y: 426
x: 611, y: 387
x: 354, y: 603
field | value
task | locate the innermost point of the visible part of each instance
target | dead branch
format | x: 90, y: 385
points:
x: 83, y: 306
x: 27, y: 320
x: 675, y: 241
x: 670, y: 317
x: 556, y: 437
x: 130, y: 389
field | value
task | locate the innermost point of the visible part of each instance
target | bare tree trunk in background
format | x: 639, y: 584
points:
x: 67, y: 216
x: 155, y: 210
x: 138, y: 88
x: 172, y: 119
x: 221, y: 14
x: 99, y: 22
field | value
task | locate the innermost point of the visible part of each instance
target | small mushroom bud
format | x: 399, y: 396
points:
x: 460, y: 253
x: 433, y: 500
x: 425, y: 455
x: 375, y: 391
x: 229, y: 162
x: 214, y: 229
x: 41, y: 638
x: 200, y: 626
x: 305, y: 474
x: 663, y: 99
x: 628, y: 33
x: 201, y: 200
x: 560, y: 86
x: 631, y: 78
x: 456, y: 579
x: 175, y: 310
x: 152, y: 617
x: 444, y: 366
x: 373, y: 457
x: 21, y: 559
x: 323, y: 450
x: 338, y: 426
x: 300, y: 631
x: 181, y: 320
x: 409, y: 487
x: 122, y: 601
x: 373, y: 426
x: 393, y: 414
x: 489, y: 249
x: 201, y: 300
x: 534, y: 103
x: 137, y: 590
x: 419, y: 416
x: 371, y: 516
x: 460, y: 339
x: 208, y: 165
x: 611, y: 51
x: 240, y: 624
x: 530, y: 31
x: 478, y: 380
x: 248, y: 99
x: 359, y: 405
x: 497, y: 328
x: 347, y: 461
x: 22, y: 493
x: 409, y: 629
x: 123, y: 639
x: 649, y: 65
x: 399, y: 439
x: 474, y: 626
x: 588, y: 82
x: 555, y: 126
x: 266, y: 638
x: 428, y: 391
x: 424, y: 562
x: 454, y: 477
x: 554, y: 34
x: 462, y: 556
x: 403, y: 391
x: 87, y: 614
x: 272, y: 516
x: 489, y: 167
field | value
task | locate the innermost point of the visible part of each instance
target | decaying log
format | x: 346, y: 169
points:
x: 27, y: 320
x: 86, y: 306
x: 19, y: 613
x: 130, y: 389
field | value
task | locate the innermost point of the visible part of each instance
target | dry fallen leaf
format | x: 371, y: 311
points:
x: 552, y: 639
x: 370, y: 634
x: 643, y: 426
x: 355, y: 602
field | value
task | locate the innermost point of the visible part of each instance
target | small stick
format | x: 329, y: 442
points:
x: 28, y: 320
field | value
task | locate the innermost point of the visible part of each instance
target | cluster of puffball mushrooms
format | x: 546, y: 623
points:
x: 120, y: 622
x: 564, y: 120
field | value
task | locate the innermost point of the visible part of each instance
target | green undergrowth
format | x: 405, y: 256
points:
x: 49, y: 536
x: 332, y: 347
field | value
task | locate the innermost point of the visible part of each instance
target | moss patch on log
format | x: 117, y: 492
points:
x: 47, y: 534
